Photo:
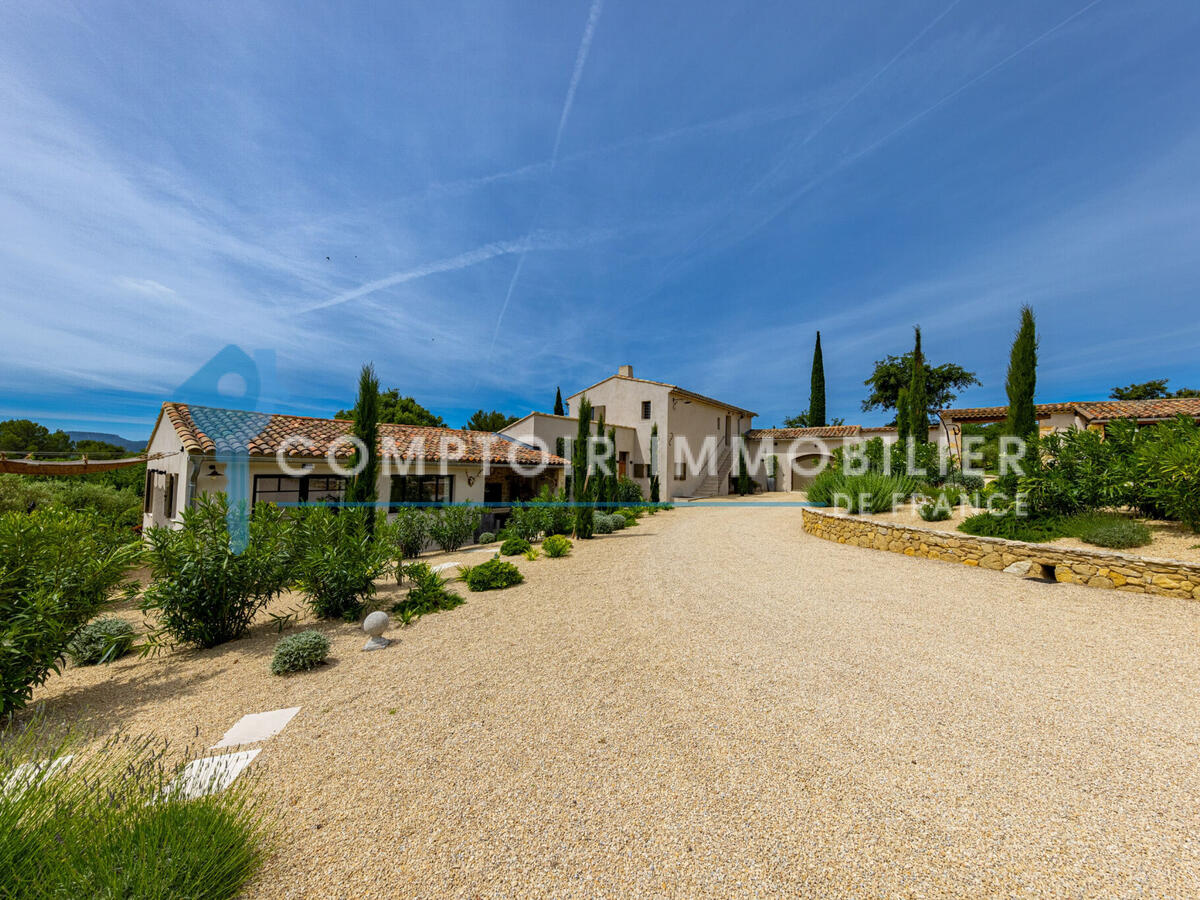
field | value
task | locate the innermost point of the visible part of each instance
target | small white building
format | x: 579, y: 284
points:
x: 296, y: 459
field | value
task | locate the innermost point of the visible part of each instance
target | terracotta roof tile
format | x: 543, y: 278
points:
x: 207, y: 429
x: 1091, y: 410
x: 829, y: 431
x: 999, y: 412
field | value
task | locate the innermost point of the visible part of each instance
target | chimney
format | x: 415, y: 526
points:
x: 625, y: 371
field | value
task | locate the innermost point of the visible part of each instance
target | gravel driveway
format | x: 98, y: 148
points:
x: 713, y: 703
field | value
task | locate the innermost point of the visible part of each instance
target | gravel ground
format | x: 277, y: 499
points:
x: 1170, y: 540
x: 715, y: 704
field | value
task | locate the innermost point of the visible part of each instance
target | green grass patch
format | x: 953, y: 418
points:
x: 103, y: 825
x: 1109, y: 530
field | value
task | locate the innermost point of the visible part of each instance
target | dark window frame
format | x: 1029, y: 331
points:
x: 302, y: 490
x: 443, y: 485
x: 645, y: 409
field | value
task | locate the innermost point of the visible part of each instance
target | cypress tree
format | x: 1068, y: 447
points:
x: 1020, y: 385
x: 816, y: 395
x: 361, y: 488
x: 902, y: 429
x: 581, y: 483
x: 918, y: 394
x: 559, y: 409
x: 1022, y: 379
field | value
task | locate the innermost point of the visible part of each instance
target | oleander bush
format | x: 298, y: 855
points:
x: 492, y: 575
x: 336, y: 560
x: 514, y: 546
x: 105, y: 823
x: 409, y: 531
x: 204, y: 592
x: 453, y: 526
x: 560, y: 518
x: 299, y: 652
x: 556, y: 546
x: 526, y: 522
x: 101, y: 641
x: 486, y: 538
x: 58, y: 569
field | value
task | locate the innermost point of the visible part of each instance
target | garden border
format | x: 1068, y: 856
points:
x: 1072, y: 565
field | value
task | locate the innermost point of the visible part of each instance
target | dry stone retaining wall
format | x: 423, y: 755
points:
x: 1094, y: 568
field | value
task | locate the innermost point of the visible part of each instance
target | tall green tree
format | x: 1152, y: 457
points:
x: 1150, y: 390
x: 942, y: 383
x: 918, y: 393
x: 816, y: 391
x: 488, y: 421
x: 25, y: 436
x: 903, y: 430
x: 581, y: 482
x: 559, y: 409
x: 397, y: 410
x: 361, y: 488
x: 1022, y: 380
x: 1020, y: 385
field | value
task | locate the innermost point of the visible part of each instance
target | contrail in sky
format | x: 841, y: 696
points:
x: 585, y: 45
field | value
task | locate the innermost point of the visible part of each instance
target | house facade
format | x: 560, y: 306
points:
x: 696, y: 434
x: 297, y: 459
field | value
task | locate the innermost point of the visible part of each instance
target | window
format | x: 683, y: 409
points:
x: 597, y: 413
x: 306, y: 489
x: 645, y: 409
x: 433, y: 489
x: 639, y: 470
x: 680, y: 471
x: 169, y: 497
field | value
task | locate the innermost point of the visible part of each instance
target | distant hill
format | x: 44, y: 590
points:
x: 109, y: 438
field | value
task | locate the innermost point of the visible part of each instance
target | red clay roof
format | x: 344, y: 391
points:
x: 829, y: 431
x: 207, y: 429
x: 999, y: 412
x: 1107, y: 410
x: 1091, y: 410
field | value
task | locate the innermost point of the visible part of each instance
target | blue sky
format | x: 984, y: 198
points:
x: 491, y: 199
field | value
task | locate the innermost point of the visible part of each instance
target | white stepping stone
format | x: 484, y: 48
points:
x: 212, y: 774
x: 257, y: 727
x: 445, y: 566
x: 27, y: 773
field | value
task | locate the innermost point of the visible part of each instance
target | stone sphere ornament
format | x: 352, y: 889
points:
x: 375, y: 625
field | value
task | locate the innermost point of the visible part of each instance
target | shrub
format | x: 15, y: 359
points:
x: 1118, y: 535
x: 1010, y: 526
x: 872, y: 492
x: 336, y: 561
x: 105, y: 824
x: 628, y: 490
x: 556, y: 546
x: 101, y: 641
x: 629, y: 514
x: 514, y: 546
x: 493, y: 575
x: 934, y: 511
x: 428, y: 593
x: 299, y: 652
x: 559, y: 517
x: 617, y: 522
x: 532, y: 553
x: 21, y: 494
x: 602, y: 524
x: 410, y: 531
x: 453, y: 526
x: 526, y: 522
x: 57, y: 570
x: 486, y: 538
x: 203, y: 592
